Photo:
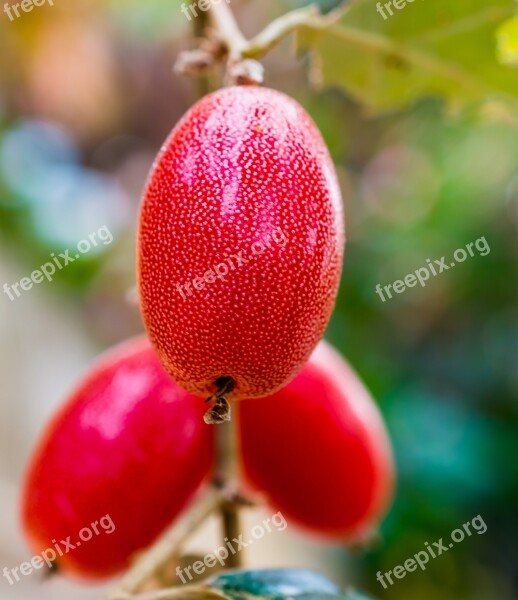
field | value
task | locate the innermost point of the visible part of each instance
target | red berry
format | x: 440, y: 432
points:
x: 319, y: 451
x: 129, y: 444
x: 240, y: 243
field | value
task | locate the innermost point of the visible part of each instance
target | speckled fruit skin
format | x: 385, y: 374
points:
x: 245, y: 166
x: 129, y: 443
x: 318, y: 450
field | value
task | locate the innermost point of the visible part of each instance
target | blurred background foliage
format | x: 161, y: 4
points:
x: 428, y: 163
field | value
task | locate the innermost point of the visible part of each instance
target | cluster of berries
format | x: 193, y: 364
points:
x: 132, y: 442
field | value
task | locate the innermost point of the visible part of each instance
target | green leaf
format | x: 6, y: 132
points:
x: 277, y: 584
x: 427, y: 48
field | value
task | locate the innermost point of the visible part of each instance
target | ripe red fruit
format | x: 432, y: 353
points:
x: 129, y: 444
x: 319, y: 451
x: 240, y: 243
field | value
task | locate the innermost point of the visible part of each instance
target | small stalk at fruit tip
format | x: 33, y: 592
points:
x: 51, y: 572
x: 220, y: 411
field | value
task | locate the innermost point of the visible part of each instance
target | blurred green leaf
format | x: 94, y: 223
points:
x: 507, y: 37
x: 424, y: 49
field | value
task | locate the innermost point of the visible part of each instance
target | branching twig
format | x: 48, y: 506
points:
x: 227, y: 30
x: 242, y: 66
x: 308, y: 17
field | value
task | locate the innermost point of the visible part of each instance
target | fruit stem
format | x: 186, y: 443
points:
x: 227, y: 30
x: 199, y: 26
x: 226, y: 470
x: 220, y: 411
x: 231, y: 518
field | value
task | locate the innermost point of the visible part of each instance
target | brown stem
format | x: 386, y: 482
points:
x: 240, y: 70
x: 231, y: 521
x: 226, y: 477
x: 227, y: 29
x: 199, y: 27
